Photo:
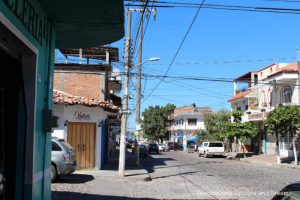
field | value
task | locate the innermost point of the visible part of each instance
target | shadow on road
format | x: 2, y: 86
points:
x: 74, y: 178
x: 113, y: 162
x: 56, y: 195
x: 150, y: 163
x: 179, y: 174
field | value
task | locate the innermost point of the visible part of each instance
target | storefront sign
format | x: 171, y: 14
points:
x: 34, y: 22
x: 81, y: 116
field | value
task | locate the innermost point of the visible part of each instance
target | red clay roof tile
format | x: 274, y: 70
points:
x: 60, y: 97
x: 240, y: 95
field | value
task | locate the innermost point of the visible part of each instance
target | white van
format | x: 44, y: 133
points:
x: 211, y: 148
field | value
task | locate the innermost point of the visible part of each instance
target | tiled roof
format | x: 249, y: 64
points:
x: 240, y: 95
x: 60, y: 97
x: 290, y: 68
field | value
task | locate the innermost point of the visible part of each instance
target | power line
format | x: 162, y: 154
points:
x: 141, y: 19
x: 209, y: 79
x: 291, y: 1
x: 226, y: 61
x: 228, y: 7
x: 185, y: 36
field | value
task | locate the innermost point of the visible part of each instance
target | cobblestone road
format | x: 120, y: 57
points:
x: 182, y: 175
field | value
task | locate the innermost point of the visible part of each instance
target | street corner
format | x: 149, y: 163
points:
x: 138, y: 174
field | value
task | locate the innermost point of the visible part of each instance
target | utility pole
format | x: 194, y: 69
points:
x: 138, y: 87
x: 138, y: 78
x: 124, y: 111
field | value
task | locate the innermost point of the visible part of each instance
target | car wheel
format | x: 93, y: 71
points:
x: 199, y: 154
x: 53, y: 173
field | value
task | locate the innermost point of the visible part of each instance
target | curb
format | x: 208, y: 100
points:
x: 272, y: 164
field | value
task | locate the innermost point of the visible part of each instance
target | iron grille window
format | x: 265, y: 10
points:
x: 286, y: 95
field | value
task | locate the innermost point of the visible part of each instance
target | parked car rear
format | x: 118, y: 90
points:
x: 63, y: 158
x: 143, y: 150
x: 163, y: 147
x: 174, y: 146
x: 153, y: 148
x: 211, y: 148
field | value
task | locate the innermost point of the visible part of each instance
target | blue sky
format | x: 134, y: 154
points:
x: 253, y: 40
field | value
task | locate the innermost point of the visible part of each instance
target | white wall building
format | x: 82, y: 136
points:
x: 267, y: 88
x: 84, y: 125
x: 185, y: 120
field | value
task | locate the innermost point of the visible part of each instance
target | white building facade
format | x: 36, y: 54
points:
x: 85, y: 127
x: 268, y: 88
x: 185, y: 121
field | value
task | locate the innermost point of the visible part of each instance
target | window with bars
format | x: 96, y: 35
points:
x: 286, y: 95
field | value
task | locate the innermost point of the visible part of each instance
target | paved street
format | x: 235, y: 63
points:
x: 181, y: 175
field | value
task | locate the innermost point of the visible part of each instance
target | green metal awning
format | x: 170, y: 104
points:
x: 89, y: 23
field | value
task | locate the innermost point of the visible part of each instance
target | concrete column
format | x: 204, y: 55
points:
x: 298, y: 84
x: 234, y: 88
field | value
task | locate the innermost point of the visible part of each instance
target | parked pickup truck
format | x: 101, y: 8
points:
x: 212, y: 148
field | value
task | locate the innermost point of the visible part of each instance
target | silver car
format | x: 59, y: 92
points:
x: 63, y: 158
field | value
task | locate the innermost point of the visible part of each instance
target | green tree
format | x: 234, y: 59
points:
x: 213, y: 121
x: 237, y: 131
x: 155, y: 121
x: 237, y: 116
x: 283, y: 120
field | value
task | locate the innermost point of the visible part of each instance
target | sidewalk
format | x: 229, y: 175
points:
x: 93, y: 184
x: 268, y: 160
x: 112, y: 166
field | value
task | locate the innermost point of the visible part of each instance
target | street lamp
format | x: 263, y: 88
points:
x: 138, y: 103
x: 150, y: 59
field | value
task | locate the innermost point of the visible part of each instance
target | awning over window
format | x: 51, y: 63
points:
x: 192, y: 139
x: 87, y: 23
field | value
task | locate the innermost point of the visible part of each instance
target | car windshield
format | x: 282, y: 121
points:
x: 215, y: 144
x: 288, y: 195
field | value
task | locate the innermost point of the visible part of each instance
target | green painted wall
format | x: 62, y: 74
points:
x: 41, y: 35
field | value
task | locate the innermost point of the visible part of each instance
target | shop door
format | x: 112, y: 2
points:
x: 82, y: 137
x: 12, y: 133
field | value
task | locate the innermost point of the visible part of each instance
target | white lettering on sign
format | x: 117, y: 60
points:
x: 81, y: 116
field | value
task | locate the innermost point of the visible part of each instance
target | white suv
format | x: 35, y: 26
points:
x: 211, y: 149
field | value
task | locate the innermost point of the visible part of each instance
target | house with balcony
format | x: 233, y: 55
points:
x: 258, y: 93
x: 184, y: 121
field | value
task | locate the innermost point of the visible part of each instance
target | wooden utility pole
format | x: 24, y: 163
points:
x: 138, y: 86
x: 124, y: 111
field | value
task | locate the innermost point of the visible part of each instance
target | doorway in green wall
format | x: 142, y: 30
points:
x: 12, y: 123
x: 17, y: 114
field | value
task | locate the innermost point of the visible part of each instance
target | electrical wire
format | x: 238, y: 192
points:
x: 141, y: 19
x: 208, y: 79
x: 227, y: 7
x: 144, y: 33
x: 177, y: 52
